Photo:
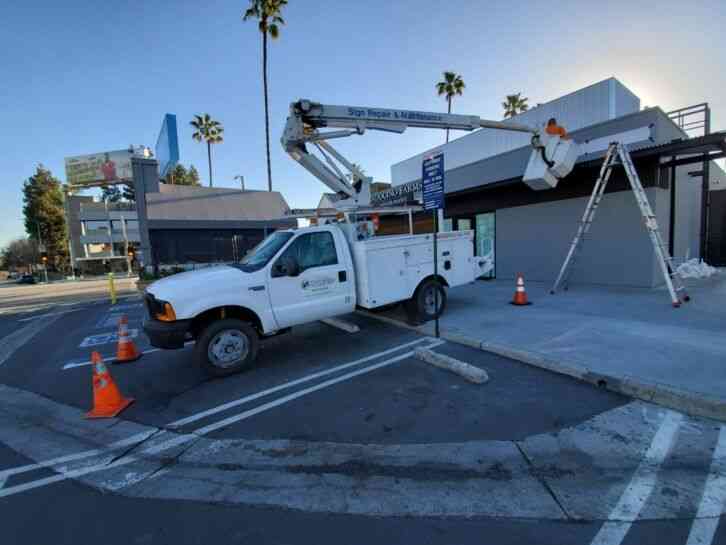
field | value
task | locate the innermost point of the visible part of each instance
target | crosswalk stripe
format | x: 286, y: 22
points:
x: 632, y: 500
x: 713, y: 499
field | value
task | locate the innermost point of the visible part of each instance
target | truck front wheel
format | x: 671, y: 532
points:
x: 423, y: 302
x: 226, y: 347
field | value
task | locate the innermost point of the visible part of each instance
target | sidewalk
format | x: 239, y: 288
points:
x: 625, y: 339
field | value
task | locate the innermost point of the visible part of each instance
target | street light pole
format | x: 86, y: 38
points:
x: 241, y: 181
x: 41, y: 249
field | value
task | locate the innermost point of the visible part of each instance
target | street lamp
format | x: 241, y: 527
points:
x: 241, y: 181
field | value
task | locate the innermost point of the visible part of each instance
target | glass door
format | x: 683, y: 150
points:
x: 485, y: 241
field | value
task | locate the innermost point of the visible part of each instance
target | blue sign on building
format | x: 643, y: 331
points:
x: 433, y: 182
x: 167, y: 146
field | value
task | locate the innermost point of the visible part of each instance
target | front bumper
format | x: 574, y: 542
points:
x: 167, y: 335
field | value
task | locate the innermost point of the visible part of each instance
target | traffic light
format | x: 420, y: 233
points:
x: 44, y: 257
x: 131, y: 254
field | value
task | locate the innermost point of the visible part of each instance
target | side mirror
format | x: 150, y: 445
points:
x: 289, y: 266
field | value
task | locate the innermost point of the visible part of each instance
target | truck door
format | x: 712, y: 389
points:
x: 322, y: 289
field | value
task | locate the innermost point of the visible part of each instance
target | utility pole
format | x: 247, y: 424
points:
x: 41, y: 249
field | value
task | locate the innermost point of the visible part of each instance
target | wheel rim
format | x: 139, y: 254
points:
x: 430, y: 301
x: 227, y: 348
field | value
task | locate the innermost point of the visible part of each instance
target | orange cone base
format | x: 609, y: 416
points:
x: 526, y: 303
x: 110, y: 413
x: 127, y: 358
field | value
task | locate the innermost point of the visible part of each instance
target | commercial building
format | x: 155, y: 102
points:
x: 529, y: 231
x: 186, y: 226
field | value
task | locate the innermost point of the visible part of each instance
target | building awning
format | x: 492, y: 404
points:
x: 698, y: 149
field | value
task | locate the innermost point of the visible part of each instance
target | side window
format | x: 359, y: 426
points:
x: 313, y: 250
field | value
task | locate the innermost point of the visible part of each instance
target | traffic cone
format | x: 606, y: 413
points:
x: 107, y: 399
x: 520, y: 295
x: 126, y: 350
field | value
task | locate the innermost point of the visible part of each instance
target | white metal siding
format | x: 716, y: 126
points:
x: 600, y: 102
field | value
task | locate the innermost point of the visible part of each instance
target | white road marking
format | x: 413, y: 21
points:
x: 641, y: 485
x: 73, y: 365
x: 713, y: 499
x: 10, y: 343
x: 3, y: 480
x: 49, y: 314
x: 181, y: 439
x: 285, y: 385
x: 25, y: 309
x: 139, y: 437
x: 105, y: 338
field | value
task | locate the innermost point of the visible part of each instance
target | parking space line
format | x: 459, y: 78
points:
x: 182, y: 439
x: 285, y: 385
x: 641, y: 485
x: 48, y: 464
x: 300, y: 393
x: 713, y: 499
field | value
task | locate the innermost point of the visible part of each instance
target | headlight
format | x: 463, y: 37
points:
x: 167, y: 314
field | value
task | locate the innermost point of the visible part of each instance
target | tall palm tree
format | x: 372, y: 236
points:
x: 450, y: 86
x: 211, y: 132
x: 269, y: 18
x: 514, y: 104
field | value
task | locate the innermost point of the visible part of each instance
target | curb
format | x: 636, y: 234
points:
x: 442, y: 361
x: 684, y: 401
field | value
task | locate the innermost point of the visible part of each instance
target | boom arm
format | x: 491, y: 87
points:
x: 307, y: 117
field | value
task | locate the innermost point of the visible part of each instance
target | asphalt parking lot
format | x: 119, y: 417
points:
x: 346, y: 430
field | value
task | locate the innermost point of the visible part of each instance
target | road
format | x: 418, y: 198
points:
x: 18, y: 298
x: 334, y: 437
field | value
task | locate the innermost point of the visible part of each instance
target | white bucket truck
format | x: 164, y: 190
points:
x: 304, y: 275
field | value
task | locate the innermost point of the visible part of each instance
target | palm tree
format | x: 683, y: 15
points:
x: 269, y: 16
x: 451, y: 85
x: 211, y: 132
x: 514, y: 104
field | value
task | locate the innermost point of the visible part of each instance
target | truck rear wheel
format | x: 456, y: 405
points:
x: 226, y: 347
x: 423, y: 302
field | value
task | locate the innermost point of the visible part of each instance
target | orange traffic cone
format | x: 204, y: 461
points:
x: 126, y: 350
x: 520, y: 295
x: 107, y: 399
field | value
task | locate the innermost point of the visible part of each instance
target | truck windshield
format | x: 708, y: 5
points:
x: 261, y: 254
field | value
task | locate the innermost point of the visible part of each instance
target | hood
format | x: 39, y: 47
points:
x: 196, y: 283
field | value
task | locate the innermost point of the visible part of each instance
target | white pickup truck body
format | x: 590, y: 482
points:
x: 332, y: 272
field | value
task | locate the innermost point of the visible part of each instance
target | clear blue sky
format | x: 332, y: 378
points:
x: 85, y: 76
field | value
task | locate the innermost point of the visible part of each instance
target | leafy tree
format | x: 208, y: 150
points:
x: 111, y: 194
x: 129, y: 193
x: 44, y: 214
x: 211, y: 132
x: 268, y: 14
x: 192, y: 177
x: 21, y: 252
x: 515, y: 104
x: 182, y: 176
x: 449, y: 87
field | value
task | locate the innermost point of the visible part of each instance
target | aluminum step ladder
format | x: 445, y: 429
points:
x: 617, y: 154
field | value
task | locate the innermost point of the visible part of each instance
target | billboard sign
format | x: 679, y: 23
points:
x: 109, y: 166
x: 433, y: 182
x: 167, y: 145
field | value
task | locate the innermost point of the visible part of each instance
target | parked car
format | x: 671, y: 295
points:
x: 27, y: 279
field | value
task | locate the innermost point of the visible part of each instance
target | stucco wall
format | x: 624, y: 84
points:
x: 534, y: 240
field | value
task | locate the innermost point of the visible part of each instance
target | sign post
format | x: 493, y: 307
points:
x: 433, y: 199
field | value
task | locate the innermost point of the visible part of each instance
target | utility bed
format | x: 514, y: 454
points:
x: 389, y: 268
